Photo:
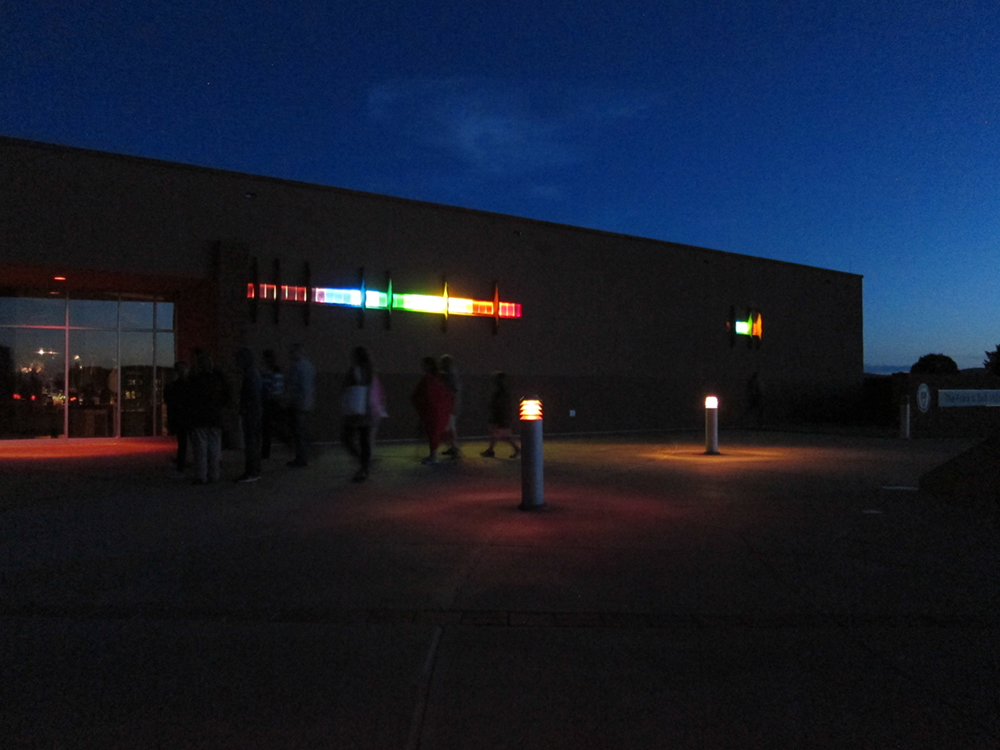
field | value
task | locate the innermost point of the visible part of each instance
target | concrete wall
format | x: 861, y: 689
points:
x: 628, y: 332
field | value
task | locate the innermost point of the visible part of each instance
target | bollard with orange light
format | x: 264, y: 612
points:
x: 532, y: 495
x: 711, y: 425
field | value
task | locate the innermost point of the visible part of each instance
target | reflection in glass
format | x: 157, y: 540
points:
x: 92, y: 313
x: 32, y: 383
x: 137, y: 315
x: 136, y: 384
x: 115, y: 373
x: 164, y: 372
x: 93, y: 383
x: 165, y: 316
x: 31, y: 311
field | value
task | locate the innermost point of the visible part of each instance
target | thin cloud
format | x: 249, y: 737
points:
x: 500, y: 128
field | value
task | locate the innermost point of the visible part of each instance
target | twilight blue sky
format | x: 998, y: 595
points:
x: 857, y: 135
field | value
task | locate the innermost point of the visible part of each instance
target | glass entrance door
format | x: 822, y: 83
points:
x: 93, y: 383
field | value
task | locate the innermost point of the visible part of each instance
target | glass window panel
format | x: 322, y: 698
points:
x: 137, y: 315
x: 33, y: 382
x: 136, y: 384
x: 93, y: 383
x: 92, y: 313
x: 31, y: 311
x: 164, y: 371
x: 165, y: 356
x: 165, y: 316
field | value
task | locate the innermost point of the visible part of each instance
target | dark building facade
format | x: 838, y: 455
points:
x: 112, y: 267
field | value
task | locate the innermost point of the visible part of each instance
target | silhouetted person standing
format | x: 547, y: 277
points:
x: 272, y: 421
x: 210, y: 397
x: 177, y: 396
x: 357, y: 408
x: 251, y: 414
x: 301, y: 400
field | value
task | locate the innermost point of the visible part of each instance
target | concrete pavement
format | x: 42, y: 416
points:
x: 795, y: 591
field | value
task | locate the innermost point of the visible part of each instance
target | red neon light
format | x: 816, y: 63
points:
x: 295, y: 294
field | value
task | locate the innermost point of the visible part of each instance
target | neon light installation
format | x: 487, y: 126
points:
x: 752, y: 325
x: 370, y: 299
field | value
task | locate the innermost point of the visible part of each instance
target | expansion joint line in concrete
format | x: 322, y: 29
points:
x: 413, y: 740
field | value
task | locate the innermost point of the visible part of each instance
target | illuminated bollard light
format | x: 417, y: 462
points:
x: 532, y: 495
x: 712, y: 426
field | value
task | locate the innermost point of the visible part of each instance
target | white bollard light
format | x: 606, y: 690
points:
x: 712, y: 426
x: 532, y: 494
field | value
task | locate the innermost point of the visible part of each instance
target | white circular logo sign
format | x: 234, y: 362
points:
x: 924, y: 397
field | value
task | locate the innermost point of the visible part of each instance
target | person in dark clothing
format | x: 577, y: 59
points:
x: 210, y: 397
x: 301, y: 400
x: 177, y: 396
x: 272, y: 423
x: 433, y: 402
x: 451, y: 378
x: 501, y: 410
x: 251, y: 414
x: 357, y: 408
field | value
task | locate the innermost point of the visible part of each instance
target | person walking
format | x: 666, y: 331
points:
x: 210, y: 397
x: 251, y: 414
x: 301, y: 400
x: 454, y: 383
x: 177, y: 396
x: 357, y: 409
x: 432, y: 400
x: 501, y: 411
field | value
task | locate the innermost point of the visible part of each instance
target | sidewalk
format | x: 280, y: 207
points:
x: 795, y: 591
